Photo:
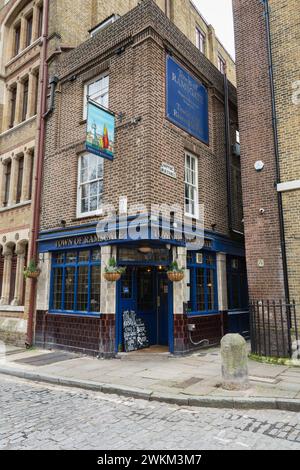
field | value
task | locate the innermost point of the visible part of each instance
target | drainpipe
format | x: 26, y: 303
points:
x: 276, y: 146
x: 39, y: 169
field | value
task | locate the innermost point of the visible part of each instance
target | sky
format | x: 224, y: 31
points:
x: 219, y: 14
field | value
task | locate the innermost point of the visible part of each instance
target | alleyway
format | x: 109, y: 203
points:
x: 35, y: 416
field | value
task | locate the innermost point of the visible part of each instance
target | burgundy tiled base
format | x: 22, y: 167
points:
x: 92, y: 336
x: 210, y: 327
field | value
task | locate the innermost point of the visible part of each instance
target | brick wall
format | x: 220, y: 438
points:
x: 285, y: 36
x: 137, y: 89
x: 255, y: 119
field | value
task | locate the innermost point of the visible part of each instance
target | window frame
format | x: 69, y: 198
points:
x: 221, y: 64
x: 17, y: 39
x: 25, y: 101
x: 76, y: 265
x: 196, y: 187
x: 79, y: 213
x: 194, y: 267
x: 29, y: 29
x: 20, y: 179
x: 85, y: 91
x: 200, y: 40
x: 7, y: 182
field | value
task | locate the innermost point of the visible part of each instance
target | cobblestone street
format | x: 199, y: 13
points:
x: 37, y: 416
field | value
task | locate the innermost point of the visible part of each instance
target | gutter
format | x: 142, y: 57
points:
x: 39, y: 171
x: 276, y: 147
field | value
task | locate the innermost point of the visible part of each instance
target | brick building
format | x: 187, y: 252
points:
x: 135, y: 66
x: 267, y: 43
x: 21, y: 23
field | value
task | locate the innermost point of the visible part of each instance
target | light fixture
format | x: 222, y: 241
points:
x: 145, y: 250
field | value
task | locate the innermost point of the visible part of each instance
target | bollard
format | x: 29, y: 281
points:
x: 234, y: 362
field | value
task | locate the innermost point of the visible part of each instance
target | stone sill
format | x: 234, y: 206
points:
x: 11, y: 308
x: 15, y: 206
x: 13, y: 129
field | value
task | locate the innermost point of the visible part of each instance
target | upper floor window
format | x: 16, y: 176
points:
x: 90, y: 187
x: 221, y: 64
x: 7, y: 178
x: 20, y: 179
x: 191, y: 185
x: 200, y: 40
x: 29, y: 22
x: 25, y: 100
x: 17, y: 38
x: 40, y: 20
x: 13, y: 100
x: 97, y: 90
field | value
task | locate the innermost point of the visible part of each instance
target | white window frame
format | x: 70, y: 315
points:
x: 90, y: 82
x: 79, y: 213
x: 195, y: 187
x: 200, y: 40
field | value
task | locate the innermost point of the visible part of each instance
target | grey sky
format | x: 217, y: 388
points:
x: 219, y: 14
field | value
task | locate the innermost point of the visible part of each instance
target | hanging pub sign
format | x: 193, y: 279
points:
x: 187, y: 101
x: 100, y: 133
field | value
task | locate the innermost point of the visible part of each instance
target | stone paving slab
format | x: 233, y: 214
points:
x: 188, y: 378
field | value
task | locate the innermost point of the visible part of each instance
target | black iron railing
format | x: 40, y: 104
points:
x: 274, y: 329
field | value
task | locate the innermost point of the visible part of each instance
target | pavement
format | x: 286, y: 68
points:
x: 193, y: 380
x: 35, y: 416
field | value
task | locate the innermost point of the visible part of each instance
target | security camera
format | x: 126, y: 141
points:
x: 262, y: 211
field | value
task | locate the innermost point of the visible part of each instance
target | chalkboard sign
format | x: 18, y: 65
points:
x: 134, y: 332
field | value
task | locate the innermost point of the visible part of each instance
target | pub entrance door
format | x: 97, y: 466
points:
x: 145, y: 291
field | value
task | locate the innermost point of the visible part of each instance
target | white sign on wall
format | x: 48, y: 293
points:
x: 168, y: 170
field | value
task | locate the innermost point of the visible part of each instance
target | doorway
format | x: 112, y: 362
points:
x: 146, y: 291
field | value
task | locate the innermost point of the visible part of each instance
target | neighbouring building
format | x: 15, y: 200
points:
x: 268, y: 78
x: 151, y: 76
x: 21, y: 30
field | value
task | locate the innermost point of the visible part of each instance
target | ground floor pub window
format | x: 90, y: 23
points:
x: 203, y: 283
x: 76, y: 281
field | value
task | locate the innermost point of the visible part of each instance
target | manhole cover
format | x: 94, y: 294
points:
x: 46, y: 359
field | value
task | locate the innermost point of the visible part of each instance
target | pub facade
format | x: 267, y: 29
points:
x: 170, y: 142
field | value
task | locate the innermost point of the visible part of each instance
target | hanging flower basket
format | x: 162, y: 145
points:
x: 175, y: 276
x: 32, y: 271
x: 32, y: 274
x: 112, y: 272
x: 112, y: 277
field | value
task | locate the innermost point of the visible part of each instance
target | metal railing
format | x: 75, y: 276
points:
x: 274, y: 329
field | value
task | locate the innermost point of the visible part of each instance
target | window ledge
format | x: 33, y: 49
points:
x: 11, y: 308
x: 15, y: 206
x: 74, y: 314
x: 203, y: 314
x: 12, y: 129
x: 24, y: 51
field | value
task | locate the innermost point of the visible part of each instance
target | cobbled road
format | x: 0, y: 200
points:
x: 38, y: 416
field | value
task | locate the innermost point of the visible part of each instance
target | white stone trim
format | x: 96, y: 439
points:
x: 289, y: 186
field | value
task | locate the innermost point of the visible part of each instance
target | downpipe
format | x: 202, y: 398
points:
x: 39, y: 171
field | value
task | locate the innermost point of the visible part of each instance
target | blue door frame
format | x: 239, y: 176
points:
x: 128, y: 284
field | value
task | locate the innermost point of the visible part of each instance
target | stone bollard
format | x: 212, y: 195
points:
x: 234, y: 362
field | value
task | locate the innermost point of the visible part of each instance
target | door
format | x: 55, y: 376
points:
x: 146, y: 301
x: 162, y: 309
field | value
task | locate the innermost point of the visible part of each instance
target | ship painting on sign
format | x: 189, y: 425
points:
x: 100, y: 131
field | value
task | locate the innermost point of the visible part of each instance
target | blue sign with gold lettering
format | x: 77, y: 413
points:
x: 187, y: 101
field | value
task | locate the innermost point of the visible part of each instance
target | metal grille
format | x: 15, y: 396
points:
x: 274, y: 329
